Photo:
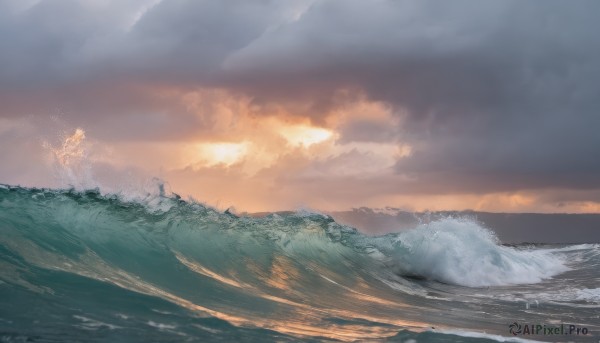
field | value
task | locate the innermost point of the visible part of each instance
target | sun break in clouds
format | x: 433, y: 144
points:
x: 270, y: 105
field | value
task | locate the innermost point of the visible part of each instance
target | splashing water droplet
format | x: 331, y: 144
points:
x: 71, y: 161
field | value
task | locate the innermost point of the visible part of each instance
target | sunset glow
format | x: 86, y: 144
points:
x: 299, y: 171
x: 221, y: 153
x: 272, y: 118
x: 305, y: 136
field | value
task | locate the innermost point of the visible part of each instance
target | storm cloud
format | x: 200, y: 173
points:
x: 490, y: 96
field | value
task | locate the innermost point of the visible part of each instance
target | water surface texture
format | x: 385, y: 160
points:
x: 87, y: 267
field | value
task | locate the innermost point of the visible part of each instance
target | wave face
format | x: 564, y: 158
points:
x: 86, y: 266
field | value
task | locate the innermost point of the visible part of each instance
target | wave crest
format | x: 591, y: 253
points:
x: 462, y: 252
x: 450, y: 250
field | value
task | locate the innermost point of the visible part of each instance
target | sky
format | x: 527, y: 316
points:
x: 275, y: 105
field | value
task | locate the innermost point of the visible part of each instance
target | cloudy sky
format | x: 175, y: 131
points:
x: 328, y: 104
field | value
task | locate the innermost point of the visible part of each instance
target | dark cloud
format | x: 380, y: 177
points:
x: 493, y: 96
x: 368, y: 131
x: 499, y: 96
x: 68, y: 41
x: 186, y: 41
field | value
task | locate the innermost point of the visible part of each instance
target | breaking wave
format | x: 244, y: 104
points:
x: 288, y: 273
x: 451, y: 250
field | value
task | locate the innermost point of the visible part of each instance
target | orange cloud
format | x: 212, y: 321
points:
x: 264, y: 157
x: 304, y: 135
x: 211, y: 154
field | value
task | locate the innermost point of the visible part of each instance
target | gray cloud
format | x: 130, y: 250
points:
x: 500, y: 96
x: 494, y: 96
x: 368, y: 131
x: 64, y: 41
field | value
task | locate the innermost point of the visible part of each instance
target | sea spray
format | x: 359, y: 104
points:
x: 124, y: 263
x: 462, y: 252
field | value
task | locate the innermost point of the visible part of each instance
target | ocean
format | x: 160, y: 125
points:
x: 84, y: 266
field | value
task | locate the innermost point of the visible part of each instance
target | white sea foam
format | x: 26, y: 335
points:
x: 577, y: 247
x: 91, y: 324
x: 588, y: 294
x: 161, y: 326
x: 473, y: 334
x: 461, y: 252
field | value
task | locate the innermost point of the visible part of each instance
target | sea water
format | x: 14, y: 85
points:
x: 82, y: 266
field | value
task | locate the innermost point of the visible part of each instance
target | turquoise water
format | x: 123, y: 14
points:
x: 91, y: 267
